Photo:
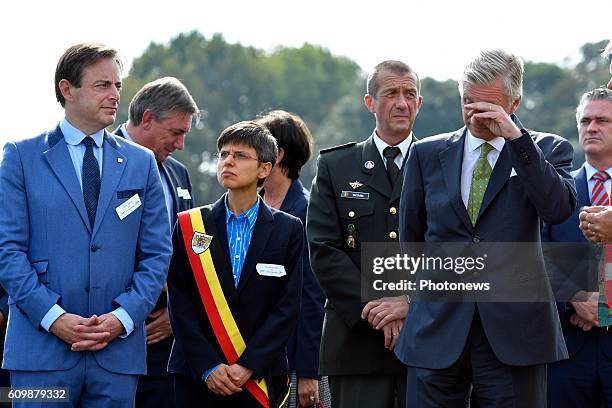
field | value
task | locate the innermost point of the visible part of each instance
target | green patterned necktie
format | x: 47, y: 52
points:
x: 480, y: 179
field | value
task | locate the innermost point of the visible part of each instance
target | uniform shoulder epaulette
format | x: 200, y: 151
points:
x: 342, y: 146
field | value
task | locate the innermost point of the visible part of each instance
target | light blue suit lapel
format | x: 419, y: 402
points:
x: 59, y: 159
x: 112, y: 170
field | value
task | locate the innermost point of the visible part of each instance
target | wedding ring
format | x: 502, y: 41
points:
x: 490, y: 107
x: 311, y: 398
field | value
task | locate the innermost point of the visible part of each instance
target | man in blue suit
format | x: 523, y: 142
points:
x: 585, y: 380
x: 84, y: 243
x: 490, y: 181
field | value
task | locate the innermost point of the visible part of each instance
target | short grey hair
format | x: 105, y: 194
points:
x: 397, y: 67
x: 597, y: 94
x: 491, y: 65
x: 162, y: 97
x: 608, y: 50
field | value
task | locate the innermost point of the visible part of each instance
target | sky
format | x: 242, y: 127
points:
x: 435, y: 37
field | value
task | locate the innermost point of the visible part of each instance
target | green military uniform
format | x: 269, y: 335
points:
x: 352, y: 202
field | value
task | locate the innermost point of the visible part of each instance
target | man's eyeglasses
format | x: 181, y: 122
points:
x: 238, y: 156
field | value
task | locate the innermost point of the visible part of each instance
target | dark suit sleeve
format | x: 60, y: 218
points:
x: 412, y: 213
x: 270, y: 339
x: 310, y: 320
x: 545, y: 170
x: 187, y: 313
x: 338, y: 275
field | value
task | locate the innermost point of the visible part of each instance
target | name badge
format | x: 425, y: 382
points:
x: 273, y: 270
x: 183, y: 193
x: 355, y: 195
x: 128, y: 207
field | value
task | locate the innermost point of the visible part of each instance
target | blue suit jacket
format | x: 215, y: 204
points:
x: 575, y: 270
x: 50, y: 255
x: 431, y: 210
x: 265, y: 308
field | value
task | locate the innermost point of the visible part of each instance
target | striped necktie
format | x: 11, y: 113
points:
x: 599, y: 196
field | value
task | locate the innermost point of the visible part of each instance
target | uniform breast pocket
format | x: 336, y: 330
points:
x: 356, y: 219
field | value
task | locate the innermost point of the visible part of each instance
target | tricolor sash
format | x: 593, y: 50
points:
x: 224, y: 325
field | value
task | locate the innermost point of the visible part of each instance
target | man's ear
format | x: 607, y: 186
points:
x: 515, y: 104
x: 369, y: 102
x: 66, y: 89
x: 147, y: 120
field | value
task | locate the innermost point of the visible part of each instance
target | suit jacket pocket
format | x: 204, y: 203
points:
x: 130, y: 193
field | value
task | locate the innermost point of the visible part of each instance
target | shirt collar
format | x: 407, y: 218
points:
x: 590, y: 170
x: 474, y: 143
x: 125, y: 132
x: 250, y: 214
x: 74, y: 136
x: 381, y: 144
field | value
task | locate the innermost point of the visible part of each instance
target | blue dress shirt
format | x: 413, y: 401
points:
x: 239, y: 232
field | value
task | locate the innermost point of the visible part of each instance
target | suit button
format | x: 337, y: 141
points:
x: 393, y: 235
x: 476, y: 239
x: 94, y: 248
x: 392, y: 210
x: 351, y: 214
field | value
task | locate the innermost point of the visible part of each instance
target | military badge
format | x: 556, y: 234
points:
x: 369, y: 164
x: 355, y: 184
x: 200, y: 242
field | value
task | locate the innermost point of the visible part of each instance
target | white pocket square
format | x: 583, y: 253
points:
x: 512, y: 172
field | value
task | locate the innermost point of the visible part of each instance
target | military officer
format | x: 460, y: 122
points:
x: 355, y: 199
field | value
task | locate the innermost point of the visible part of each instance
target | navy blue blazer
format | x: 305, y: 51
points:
x: 304, y: 343
x: 581, y: 266
x: 265, y: 308
x: 431, y: 210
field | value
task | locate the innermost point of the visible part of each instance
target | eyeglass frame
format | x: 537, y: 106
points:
x: 242, y: 156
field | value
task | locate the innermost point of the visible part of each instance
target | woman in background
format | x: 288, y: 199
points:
x: 283, y: 190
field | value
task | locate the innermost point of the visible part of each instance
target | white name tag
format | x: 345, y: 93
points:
x: 270, y: 270
x: 128, y: 207
x: 183, y: 193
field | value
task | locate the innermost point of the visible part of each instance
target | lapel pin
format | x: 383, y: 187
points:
x: 119, y: 160
x: 369, y: 164
x: 355, y: 184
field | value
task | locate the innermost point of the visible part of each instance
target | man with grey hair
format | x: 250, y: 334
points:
x: 160, y: 115
x: 490, y: 181
x: 585, y: 380
x: 596, y: 221
x: 354, y: 200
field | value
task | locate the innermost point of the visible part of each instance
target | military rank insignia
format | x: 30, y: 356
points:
x: 200, y: 242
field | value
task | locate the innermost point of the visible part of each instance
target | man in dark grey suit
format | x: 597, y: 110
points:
x: 500, y: 349
x: 354, y: 199
x: 160, y: 115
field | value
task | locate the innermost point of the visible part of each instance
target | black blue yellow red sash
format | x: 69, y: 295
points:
x: 211, y: 293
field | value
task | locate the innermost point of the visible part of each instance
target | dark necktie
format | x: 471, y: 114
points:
x: 390, y: 152
x: 91, y: 180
